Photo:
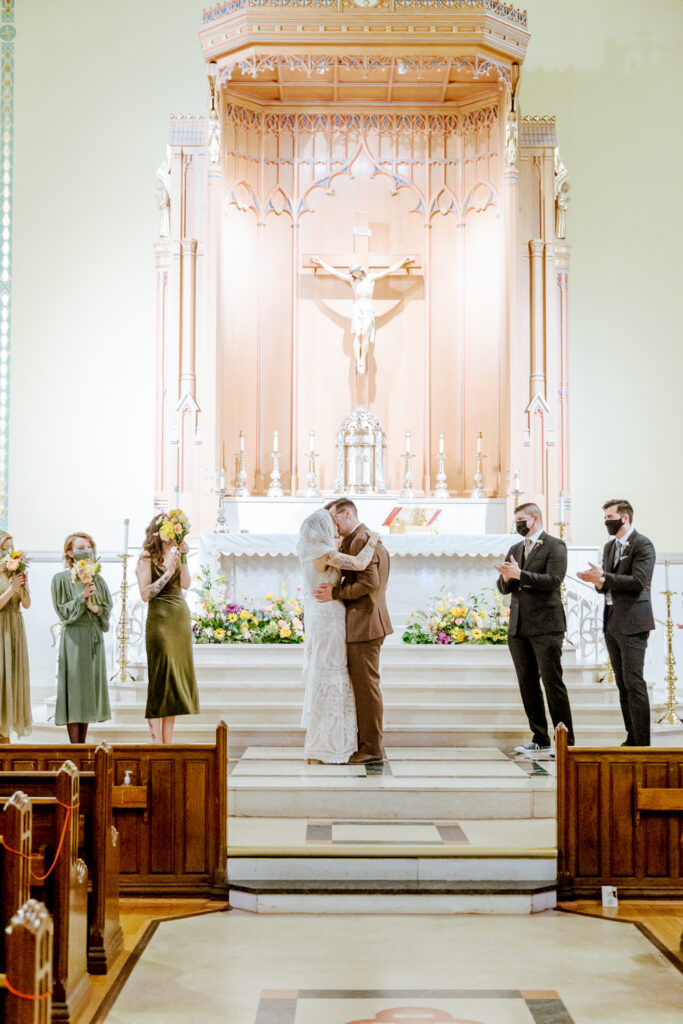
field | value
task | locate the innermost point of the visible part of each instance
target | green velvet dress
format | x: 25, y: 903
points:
x: 82, y: 693
x: 172, y: 684
x: 15, y: 696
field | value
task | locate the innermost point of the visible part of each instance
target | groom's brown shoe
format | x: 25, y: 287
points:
x: 362, y: 758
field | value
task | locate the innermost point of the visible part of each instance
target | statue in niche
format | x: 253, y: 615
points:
x: 363, y: 312
x: 163, y: 186
x: 511, y: 140
x: 562, y: 187
x: 214, y: 139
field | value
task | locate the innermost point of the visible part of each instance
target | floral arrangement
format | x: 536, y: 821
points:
x: 13, y: 563
x: 85, y: 570
x: 173, y: 525
x: 220, y: 619
x: 454, y: 620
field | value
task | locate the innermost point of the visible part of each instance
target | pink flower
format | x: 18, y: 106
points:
x: 13, y: 564
x: 458, y: 622
x: 282, y: 624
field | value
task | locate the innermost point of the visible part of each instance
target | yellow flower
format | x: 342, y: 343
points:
x: 269, y: 597
x: 285, y: 632
x: 439, y: 607
x: 476, y: 633
x: 219, y: 634
x: 232, y: 617
x: 244, y: 614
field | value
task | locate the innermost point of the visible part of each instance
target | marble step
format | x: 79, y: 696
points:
x: 447, y: 691
x: 504, y: 736
x: 395, y: 714
x: 457, y: 867
x: 392, y: 798
x: 392, y: 897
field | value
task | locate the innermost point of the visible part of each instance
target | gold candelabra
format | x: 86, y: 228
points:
x: 122, y: 673
x: 670, y: 717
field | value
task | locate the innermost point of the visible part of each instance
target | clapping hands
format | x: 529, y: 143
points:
x: 509, y: 570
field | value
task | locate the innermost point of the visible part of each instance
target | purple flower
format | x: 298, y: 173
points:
x: 442, y: 638
x: 233, y: 609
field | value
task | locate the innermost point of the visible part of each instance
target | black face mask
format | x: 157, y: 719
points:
x: 521, y: 527
x: 613, y: 526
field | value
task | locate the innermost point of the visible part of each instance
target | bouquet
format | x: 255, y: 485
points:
x: 84, y: 571
x: 13, y: 563
x: 220, y: 619
x: 173, y: 526
x: 456, y: 620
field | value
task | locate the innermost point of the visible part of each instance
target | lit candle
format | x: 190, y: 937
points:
x: 276, y: 442
x: 479, y: 443
x: 441, y: 449
x: 407, y: 442
x: 241, y: 440
x: 126, y: 524
x: 666, y: 575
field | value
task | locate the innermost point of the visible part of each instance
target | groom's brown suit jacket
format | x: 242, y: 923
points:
x: 364, y: 592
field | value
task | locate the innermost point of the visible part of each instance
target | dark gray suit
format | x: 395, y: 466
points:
x: 627, y: 624
x: 536, y: 632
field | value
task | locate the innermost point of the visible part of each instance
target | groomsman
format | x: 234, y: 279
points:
x: 532, y: 573
x: 628, y: 562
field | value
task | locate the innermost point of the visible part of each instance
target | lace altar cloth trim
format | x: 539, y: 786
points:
x: 279, y: 545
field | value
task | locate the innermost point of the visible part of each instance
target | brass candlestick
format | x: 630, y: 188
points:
x: 221, y: 525
x: 122, y: 673
x: 478, y: 489
x: 670, y: 717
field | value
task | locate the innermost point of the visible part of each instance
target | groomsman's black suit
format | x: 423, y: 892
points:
x: 536, y: 632
x: 627, y: 623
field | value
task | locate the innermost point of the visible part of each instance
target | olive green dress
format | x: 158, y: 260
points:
x: 172, y: 685
x: 15, y: 696
x: 82, y: 693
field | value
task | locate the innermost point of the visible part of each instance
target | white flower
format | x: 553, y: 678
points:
x: 208, y: 631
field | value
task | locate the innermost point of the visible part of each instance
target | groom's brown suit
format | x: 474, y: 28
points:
x: 367, y: 623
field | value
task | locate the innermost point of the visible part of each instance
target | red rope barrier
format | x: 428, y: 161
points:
x: 25, y: 995
x: 18, y: 853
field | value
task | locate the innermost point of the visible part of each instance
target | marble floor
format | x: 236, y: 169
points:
x: 237, y: 968
x: 407, y: 778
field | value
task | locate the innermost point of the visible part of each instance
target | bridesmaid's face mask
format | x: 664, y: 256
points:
x: 86, y: 553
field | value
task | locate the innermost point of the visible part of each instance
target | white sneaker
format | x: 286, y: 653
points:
x: 532, y: 749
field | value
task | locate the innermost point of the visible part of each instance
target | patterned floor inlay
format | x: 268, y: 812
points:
x: 411, y: 1006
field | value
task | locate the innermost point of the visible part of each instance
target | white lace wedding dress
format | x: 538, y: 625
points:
x: 329, y: 715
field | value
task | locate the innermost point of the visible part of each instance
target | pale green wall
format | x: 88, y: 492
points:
x: 96, y: 83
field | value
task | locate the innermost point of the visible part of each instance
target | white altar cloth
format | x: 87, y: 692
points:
x: 422, y: 564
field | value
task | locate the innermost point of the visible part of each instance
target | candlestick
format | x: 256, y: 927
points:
x: 275, y: 488
x: 311, y: 490
x: 441, y: 489
x: 241, y: 489
x: 669, y: 717
x: 221, y: 525
x: 122, y: 672
x: 478, y: 489
x: 126, y: 524
x: 407, y: 490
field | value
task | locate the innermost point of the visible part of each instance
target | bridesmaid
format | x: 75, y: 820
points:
x: 172, y: 686
x: 15, y: 697
x: 82, y: 693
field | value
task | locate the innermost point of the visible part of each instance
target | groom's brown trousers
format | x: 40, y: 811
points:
x: 364, y: 672
x: 367, y: 623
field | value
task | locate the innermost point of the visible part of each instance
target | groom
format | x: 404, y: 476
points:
x: 367, y: 623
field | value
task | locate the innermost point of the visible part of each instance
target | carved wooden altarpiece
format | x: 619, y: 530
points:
x: 401, y: 119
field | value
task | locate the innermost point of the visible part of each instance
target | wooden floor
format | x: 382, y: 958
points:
x: 663, y: 919
x: 136, y: 917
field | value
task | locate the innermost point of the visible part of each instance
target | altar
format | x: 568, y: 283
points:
x: 421, y: 565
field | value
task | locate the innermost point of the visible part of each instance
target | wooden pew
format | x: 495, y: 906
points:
x: 25, y: 925
x: 619, y: 821
x: 65, y: 891
x: 172, y: 822
x: 99, y: 849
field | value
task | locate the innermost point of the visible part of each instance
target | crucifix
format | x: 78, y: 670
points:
x: 363, y: 270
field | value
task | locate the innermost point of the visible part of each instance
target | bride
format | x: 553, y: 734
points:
x: 329, y: 715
